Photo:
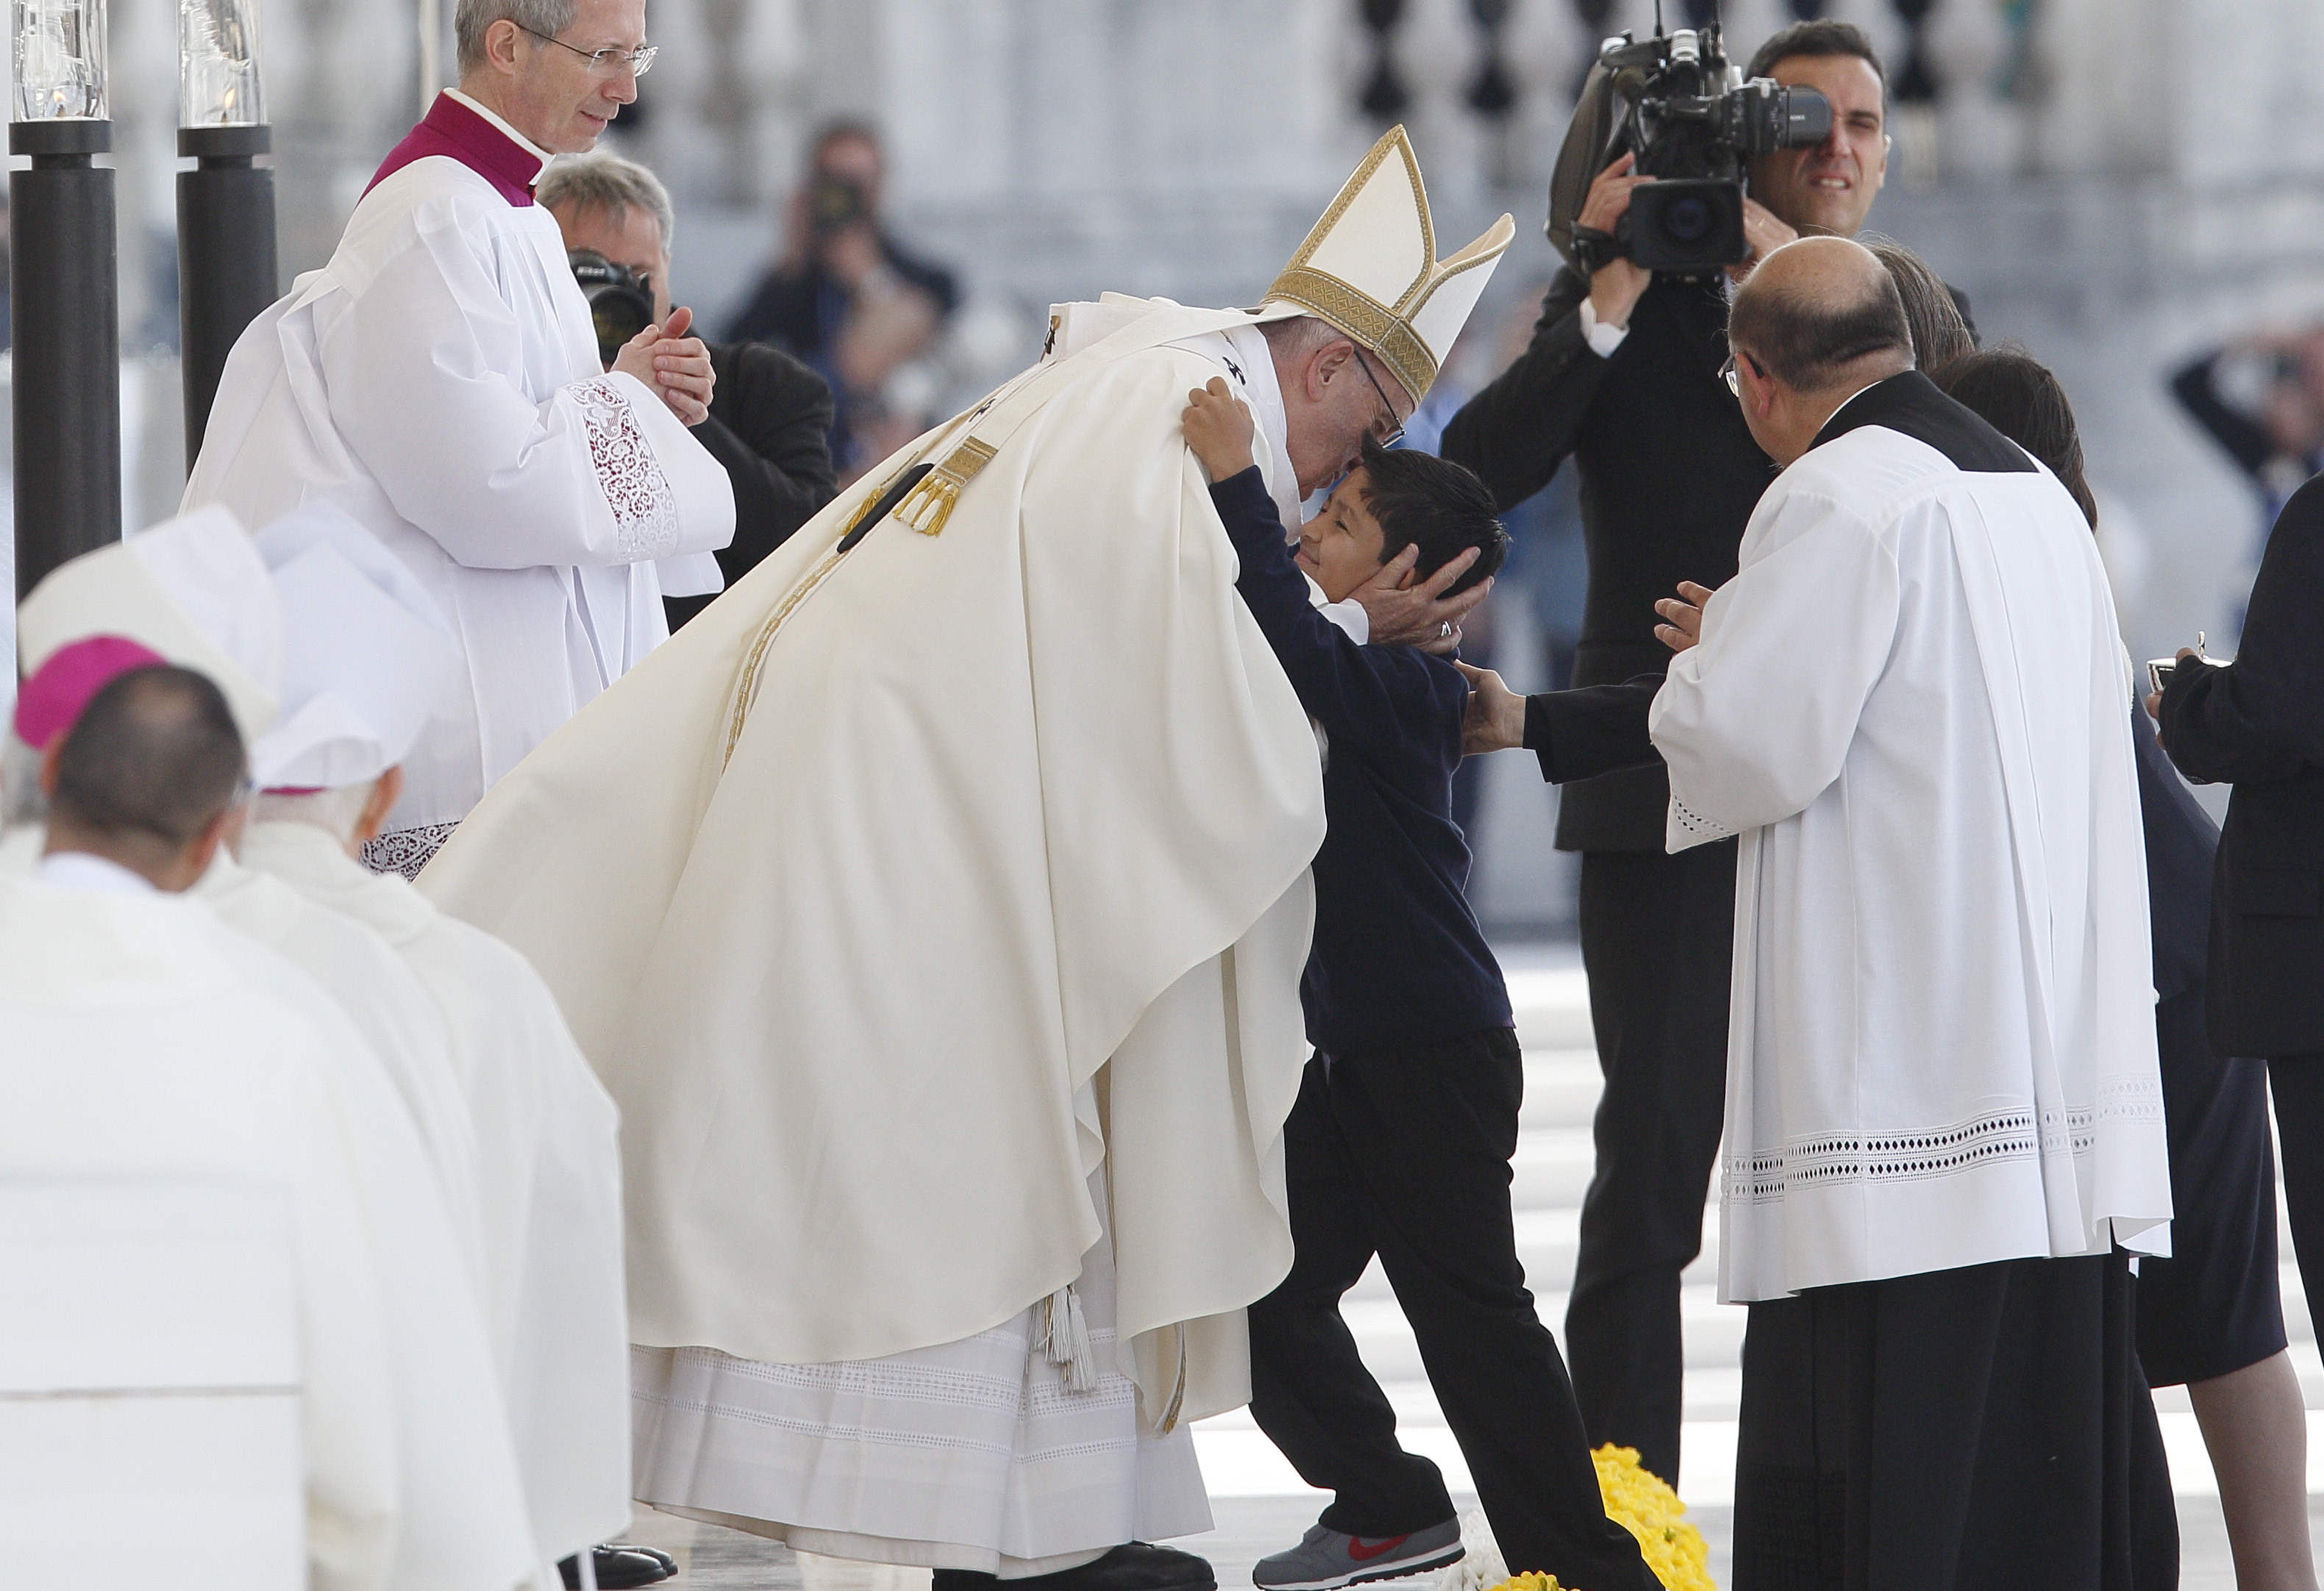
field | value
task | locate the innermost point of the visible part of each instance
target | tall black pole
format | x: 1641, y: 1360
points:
x: 64, y: 320
x: 225, y: 256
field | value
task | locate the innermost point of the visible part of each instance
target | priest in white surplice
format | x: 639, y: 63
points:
x: 364, y: 648
x: 935, y: 906
x: 146, y: 1038
x: 439, y: 378
x: 1944, y: 1120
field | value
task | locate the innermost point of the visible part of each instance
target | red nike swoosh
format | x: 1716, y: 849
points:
x: 1363, y: 1554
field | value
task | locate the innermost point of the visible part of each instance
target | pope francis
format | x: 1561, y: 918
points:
x: 933, y: 905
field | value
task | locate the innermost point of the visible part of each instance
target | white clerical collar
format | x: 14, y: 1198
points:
x: 497, y: 120
x: 85, y: 874
x: 1844, y: 402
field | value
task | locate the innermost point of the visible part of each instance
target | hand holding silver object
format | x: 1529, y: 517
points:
x: 2158, y: 669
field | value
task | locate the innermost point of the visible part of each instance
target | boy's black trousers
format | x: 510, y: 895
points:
x: 1406, y: 1155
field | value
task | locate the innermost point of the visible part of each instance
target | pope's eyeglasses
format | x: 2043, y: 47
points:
x: 608, y: 62
x: 1395, y: 430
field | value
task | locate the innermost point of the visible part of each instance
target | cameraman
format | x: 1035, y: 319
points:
x: 769, y: 415
x: 846, y: 298
x: 1623, y: 376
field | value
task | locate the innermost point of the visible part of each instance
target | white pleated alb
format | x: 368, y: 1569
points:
x: 970, y: 1455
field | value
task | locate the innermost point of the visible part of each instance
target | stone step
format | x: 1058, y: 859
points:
x: 1561, y: 1089
x: 1546, y: 1240
x: 1552, y: 1006
x: 1714, y: 1334
x: 1551, y: 1169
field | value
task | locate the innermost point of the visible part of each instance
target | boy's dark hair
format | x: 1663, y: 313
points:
x: 154, y: 752
x: 1436, y: 505
x: 1816, y: 38
x: 2017, y: 395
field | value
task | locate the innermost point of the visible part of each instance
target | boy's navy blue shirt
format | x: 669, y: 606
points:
x: 1398, y: 959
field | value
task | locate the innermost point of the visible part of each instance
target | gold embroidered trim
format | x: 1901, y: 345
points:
x: 746, y: 690
x: 1396, y: 141
x: 863, y: 509
x: 927, y: 506
x: 1362, y: 318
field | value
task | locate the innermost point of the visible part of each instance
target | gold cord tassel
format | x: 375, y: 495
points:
x: 927, y: 506
x: 870, y: 500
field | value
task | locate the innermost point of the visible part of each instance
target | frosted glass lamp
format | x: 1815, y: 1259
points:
x: 59, y: 59
x: 218, y: 64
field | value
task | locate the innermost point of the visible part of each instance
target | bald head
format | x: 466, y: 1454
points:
x: 1821, y: 314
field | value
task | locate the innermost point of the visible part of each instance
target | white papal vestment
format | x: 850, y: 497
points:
x: 439, y: 380
x: 947, y: 954
x: 1908, y: 703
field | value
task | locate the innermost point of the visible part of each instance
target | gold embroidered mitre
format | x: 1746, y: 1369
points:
x: 1370, y: 268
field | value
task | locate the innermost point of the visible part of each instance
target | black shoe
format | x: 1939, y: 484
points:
x: 620, y: 1567
x: 1134, y: 1566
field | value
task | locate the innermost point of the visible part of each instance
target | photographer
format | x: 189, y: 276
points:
x: 1623, y: 376
x: 846, y: 298
x: 769, y: 415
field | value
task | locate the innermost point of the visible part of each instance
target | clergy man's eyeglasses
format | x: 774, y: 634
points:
x: 608, y: 62
x: 1394, y: 430
x: 1728, y: 373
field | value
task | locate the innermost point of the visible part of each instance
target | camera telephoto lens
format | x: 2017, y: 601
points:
x: 1687, y: 221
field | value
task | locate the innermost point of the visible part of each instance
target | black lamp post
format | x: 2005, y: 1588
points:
x: 226, y: 205
x: 64, y: 315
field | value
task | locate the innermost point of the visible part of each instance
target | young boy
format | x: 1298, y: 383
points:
x: 1399, y: 1144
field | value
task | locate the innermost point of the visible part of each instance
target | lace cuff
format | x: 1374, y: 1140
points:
x: 405, y: 851
x: 645, y: 510
x: 1692, y: 827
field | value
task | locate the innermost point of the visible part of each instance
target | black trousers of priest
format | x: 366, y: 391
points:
x: 1984, y: 1429
x: 1407, y: 1155
x: 1657, y: 936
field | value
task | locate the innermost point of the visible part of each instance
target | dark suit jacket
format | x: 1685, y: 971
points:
x: 769, y: 424
x: 1669, y: 477
x: 1592, y: 730
x: 2259, y: 724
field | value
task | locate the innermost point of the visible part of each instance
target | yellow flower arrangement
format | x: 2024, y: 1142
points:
x: 1638, y: 1500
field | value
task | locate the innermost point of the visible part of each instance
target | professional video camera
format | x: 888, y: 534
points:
x: 1676, y: 103
x: 621, y: 301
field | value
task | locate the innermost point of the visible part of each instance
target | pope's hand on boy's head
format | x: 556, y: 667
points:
x: 1405, y: 612
x: 1219, y: 429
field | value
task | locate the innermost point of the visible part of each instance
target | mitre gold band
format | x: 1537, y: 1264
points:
x: 1364, y: 318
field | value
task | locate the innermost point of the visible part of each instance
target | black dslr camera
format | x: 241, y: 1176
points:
x: 1675, y: 102
x: 621, y: 301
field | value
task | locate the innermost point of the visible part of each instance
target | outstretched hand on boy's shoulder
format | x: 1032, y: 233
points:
x: 1494, y: 720
x: 1219, y: 430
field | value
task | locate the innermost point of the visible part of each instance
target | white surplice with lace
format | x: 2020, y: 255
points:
x: 1940, y: 1045
x: 439, y: 378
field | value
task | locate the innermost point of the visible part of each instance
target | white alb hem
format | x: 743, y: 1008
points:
x: 973, y: 1455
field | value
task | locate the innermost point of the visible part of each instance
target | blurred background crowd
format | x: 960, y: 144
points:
x: 896, y: 190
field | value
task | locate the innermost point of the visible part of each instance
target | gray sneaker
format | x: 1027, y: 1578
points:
x: 1327, y: 1559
